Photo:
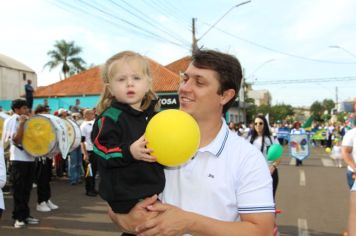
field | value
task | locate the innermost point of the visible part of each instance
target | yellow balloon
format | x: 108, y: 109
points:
x: 174, y: 137
x: 327, y: 150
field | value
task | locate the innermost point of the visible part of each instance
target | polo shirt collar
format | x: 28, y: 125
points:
x: 218, y: 144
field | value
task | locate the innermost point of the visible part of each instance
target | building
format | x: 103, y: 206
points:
x: 87, y: 87
x: 261, y: 97
x: 13, y: 78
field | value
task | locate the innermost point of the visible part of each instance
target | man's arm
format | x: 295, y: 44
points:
x: 19, y: 133
x: 174, y: 221
x: 128, y: 222
x: 347, y: 156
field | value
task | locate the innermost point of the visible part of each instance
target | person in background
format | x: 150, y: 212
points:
x: 2, y: 178
x: 43, y: 176
x: 296, y: 129
x: 29, y: 94
x: 90, y: 161
x: 262, y: 139
x: 349, y: 155
x: 226, y: 188
x: 76, y: 107
x: 336, y: 153
x: 125, y: 108
x: 22, y: 164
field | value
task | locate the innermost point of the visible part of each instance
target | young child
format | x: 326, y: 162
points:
x: 336, y: 153
x: 128, y: 172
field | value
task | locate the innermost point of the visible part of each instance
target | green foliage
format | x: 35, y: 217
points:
x: 66, y: 55
x: 328, y: 105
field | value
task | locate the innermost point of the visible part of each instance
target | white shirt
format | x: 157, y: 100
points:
x: 226, y: 178
x: 268, y: 142
x: 349, y: 140
x: 86, y: 127
x: 2, y: 176
x: 16, y: 152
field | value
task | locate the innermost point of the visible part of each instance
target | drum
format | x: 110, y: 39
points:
x: 3, y: 117
x: 74, y: 134
x: 45, y: 135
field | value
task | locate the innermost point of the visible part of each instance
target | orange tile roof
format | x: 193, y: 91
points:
x: 89, y: 83
x: 179, y: 65
x: 85, y: 83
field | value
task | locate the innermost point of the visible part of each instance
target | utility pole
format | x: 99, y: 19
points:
x: 336, y: 97
x: 194, y: 39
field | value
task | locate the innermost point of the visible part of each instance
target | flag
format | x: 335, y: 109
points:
x: 89, y: 171
x: 308, y: 124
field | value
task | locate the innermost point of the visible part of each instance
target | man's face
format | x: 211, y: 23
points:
x: 198, y: 92
x: 22, y: 110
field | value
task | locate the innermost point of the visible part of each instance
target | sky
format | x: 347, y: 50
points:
x: 285, y: 47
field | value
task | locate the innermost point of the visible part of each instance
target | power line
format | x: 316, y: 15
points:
x: 135, y: 28
x: 281, y: 52
x: 161, y: 10
x: 305, y: 80
x: 145, y: 18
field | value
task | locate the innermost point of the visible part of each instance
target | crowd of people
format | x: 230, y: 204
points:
x: 227, y: 188
x: 22, y: 171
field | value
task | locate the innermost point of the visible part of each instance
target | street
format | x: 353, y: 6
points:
x: 313, y: 199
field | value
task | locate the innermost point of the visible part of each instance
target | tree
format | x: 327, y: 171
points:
x: 281, y: 112
x: 317, y: 110
x: 66, y: 55
x: 328, y: 105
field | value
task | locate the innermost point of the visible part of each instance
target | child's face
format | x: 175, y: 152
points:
x: 128, y: 84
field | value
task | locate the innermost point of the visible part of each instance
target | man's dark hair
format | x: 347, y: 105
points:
x: 18, y: 103
x: 40, y: 109
x: 227, y: 66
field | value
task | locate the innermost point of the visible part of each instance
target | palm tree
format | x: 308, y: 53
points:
x: 66, y: 54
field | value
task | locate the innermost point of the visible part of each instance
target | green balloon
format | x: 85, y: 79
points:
x: 275, y: 151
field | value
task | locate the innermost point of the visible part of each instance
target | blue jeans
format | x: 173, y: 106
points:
x: 75, y: 166
x: 350, y: 180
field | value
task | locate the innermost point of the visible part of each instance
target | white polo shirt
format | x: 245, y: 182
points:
x: 226, y: 178
x: 86, y: 127
x: 349, y: 140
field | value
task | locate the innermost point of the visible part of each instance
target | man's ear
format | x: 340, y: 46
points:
x: 227, y: 96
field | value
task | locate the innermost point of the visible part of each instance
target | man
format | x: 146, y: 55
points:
x: 75, y: 108
x: 226, y: 189
x: 87, y: 150
x: 22, y: 164
x: 348, y: 151
x: 352, y: 214
x: 29, y: 94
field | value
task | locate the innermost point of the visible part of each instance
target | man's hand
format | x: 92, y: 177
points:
x: 137, y: 215
x: 170, y: 221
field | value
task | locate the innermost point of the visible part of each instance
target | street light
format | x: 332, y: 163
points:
x: 342, y: 48
x: 259, y: 67
x: 195, y: 41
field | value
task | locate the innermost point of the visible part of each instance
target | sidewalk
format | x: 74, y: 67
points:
x: 78, y: 214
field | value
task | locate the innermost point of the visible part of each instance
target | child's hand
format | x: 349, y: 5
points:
x: 140, y: 152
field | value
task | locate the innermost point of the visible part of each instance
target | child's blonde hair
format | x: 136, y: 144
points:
x: 107, y: 75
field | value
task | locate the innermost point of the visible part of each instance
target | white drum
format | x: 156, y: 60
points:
x: 74, y: 134
x: 3, y: 117
x: 45, y: 135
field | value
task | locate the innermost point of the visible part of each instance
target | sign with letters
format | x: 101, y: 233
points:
x: 169, y: 101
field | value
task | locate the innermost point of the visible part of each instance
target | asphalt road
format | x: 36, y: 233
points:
x: 313, y: 199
